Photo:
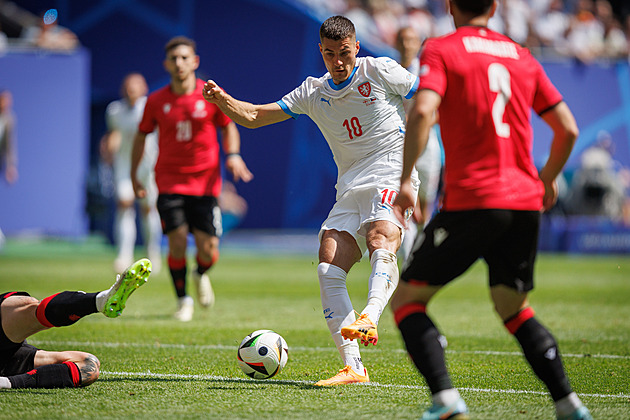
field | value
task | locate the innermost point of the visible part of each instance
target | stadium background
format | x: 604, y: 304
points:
x: 258, y: 50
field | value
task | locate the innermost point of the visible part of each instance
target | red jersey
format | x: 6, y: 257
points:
x: 488, y: 85
x: 188, y: 161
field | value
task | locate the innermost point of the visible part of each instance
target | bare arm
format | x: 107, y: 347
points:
x: 241, y: 112
x: 10, y: 172
x: 136, y: 157
x: 421, y: 118
x: 232, y: 149
x: 565, y: 132
x: 110, y: 144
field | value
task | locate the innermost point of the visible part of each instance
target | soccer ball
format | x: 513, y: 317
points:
x: 262, y: 354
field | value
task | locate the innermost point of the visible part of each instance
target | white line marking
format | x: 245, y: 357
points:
x: 150, y: 374
x: 299, y: 348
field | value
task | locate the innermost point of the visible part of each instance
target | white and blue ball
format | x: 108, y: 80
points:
x: 262, y: 354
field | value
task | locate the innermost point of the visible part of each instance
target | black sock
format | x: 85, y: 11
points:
x: 203, y: 266
x: 65, y: 308
x: 64, y: 375
x: 178, y: 274
x: 422, y: 340
x: 541, y: 351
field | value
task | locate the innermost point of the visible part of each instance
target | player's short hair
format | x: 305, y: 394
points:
x: 337, y: 28
x: 180, y: 40
x: 476, y: 7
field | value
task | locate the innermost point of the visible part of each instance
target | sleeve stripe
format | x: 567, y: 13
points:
x: 414, y: 88
x: 286, y: 109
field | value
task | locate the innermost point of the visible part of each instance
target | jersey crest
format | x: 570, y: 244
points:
x: 200, y: 109
x: 365, y: 89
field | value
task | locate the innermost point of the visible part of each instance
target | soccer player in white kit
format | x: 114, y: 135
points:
x: 358, y: 106
x: 429, y: 164
x: 122, y: 117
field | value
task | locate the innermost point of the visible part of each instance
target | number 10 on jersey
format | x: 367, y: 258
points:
x: 354, y: 127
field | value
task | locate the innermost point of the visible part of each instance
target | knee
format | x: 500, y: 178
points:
x: 383, y: 237
x: 29, y: 303
x: 89, y: 367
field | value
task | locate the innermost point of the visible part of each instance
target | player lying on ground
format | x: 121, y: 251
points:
x: 25, y: 366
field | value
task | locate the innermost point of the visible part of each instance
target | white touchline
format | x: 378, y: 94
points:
x: 158, y: 345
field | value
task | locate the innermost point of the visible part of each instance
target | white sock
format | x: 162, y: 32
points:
x: 338, y: 312
x: 4, y: 383
x: 568, y: 404
x: 446, y: 397
x: 407, y: 242
x: 382, y: 283
x: 126, y: 233
x: 101, y: 297
x: 153, y: 231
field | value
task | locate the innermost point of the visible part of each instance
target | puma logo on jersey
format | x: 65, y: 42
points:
x: 325, y: 100
x: 439, y: 236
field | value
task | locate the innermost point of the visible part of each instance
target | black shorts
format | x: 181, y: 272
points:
x: 15, y: 358
x: 202, y: 213
x: 452, y: 241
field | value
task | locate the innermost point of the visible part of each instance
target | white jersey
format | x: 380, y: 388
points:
x: 362, y: 119
x: 125, y: 119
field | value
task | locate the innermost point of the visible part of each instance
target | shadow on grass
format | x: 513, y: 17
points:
x: 218, y: 383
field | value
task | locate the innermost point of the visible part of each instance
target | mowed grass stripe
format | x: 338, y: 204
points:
x: 299, y: 348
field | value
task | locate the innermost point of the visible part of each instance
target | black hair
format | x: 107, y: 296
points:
x: 337, y: 28
x: 476, y: 7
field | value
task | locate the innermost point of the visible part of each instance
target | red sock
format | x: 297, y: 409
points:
x: 203, y: 266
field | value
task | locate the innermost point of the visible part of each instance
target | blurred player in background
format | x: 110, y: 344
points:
x: 188, y: 172
x: 358, y: 106
x: 8, y: 151
x: 484, y: 86
x: 429, y: 164
x: 25, y: 366
x: 122, y: 117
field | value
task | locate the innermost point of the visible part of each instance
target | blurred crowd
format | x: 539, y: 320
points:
x: 586, y: 30
x: 582, y: 29
x: 22, y: 29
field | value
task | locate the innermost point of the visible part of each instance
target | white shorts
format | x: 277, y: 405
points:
x: 429, y: 166
x: 357, y: 208
x: 124, y: 187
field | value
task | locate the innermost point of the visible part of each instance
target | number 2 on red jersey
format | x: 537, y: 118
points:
x: 499, y: 81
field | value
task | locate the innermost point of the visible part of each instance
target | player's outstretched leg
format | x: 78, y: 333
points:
x: 363, y: 329
x: 126, y: 283
x: 382, y: 284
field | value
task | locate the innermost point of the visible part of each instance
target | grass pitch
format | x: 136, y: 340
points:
x: 155, y: 367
